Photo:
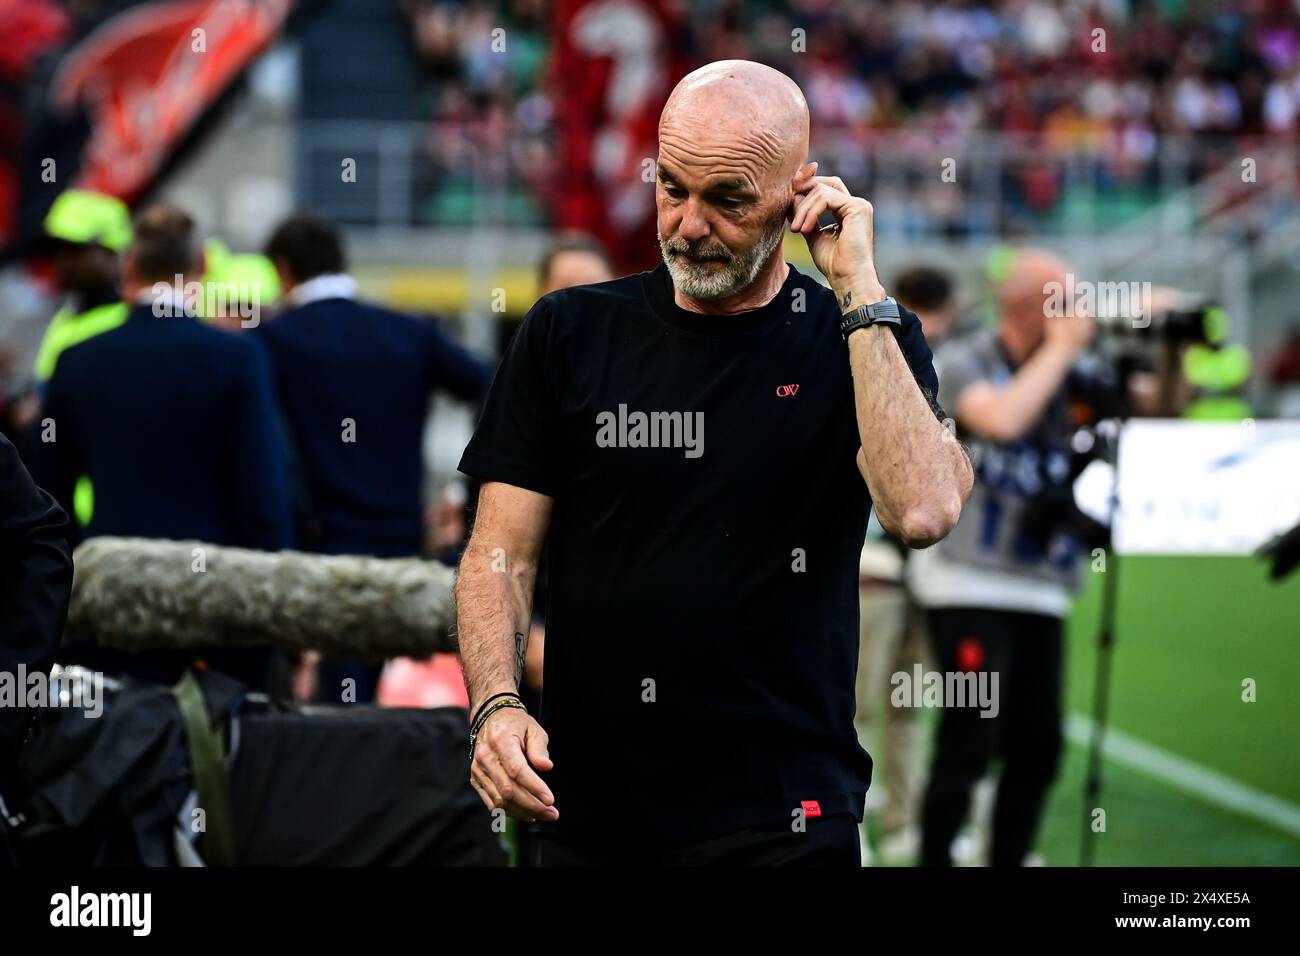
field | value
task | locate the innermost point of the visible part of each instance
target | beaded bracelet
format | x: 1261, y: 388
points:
x: 507, y: 704
x: 505, y: 693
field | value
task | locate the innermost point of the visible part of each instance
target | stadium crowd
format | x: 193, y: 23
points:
x: 1108, y: 80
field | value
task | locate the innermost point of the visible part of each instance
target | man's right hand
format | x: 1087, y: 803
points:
x: 508, y: 752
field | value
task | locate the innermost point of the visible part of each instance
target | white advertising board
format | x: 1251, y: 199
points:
x: 1206, y: 487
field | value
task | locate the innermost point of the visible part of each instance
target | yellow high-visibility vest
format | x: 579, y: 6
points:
x: 69, y: 328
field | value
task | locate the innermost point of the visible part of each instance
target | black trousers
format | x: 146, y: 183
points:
x: 1025, y: 652
x: 826, y: 841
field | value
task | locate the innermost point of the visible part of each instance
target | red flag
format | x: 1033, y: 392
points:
x: 613, y: 69
x: 148, y: 75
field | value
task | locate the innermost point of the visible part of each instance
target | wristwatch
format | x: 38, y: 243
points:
x: 884, y: 312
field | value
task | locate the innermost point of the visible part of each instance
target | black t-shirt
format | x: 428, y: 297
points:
x: 702, y: 615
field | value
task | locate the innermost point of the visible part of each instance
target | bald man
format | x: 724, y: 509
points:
x: 998, y: 588
x: 699, y: 447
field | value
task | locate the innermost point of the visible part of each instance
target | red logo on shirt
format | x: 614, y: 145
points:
x: 970, y: 654
x: 787, y: 391
x: 811, y: 808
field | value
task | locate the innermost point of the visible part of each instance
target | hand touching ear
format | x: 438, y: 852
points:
x: 802, y: 175
x: 844, y: 252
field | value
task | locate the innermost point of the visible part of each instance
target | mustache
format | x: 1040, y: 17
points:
x: 697, y: 251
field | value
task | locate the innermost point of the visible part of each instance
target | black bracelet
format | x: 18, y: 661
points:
x: 504, y: 693
x: 510, y: 704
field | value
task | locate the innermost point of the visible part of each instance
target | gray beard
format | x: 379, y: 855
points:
x: 705, y: 282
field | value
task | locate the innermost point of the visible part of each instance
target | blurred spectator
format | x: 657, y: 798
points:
x: 929, y: 293
x: 84, y: 234
x: 1109, y: 80
x: 239, y: 290
x: 573, y: 258
x: 355, y: 381
x: 175, y: 425
x: 998, y: 588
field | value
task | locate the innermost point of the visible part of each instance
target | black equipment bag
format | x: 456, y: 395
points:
x: 348, y: 785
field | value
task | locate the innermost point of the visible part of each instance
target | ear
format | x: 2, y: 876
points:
x: 801, y: 175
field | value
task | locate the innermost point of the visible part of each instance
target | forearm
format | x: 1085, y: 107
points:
x: 493, y: 608
x: 917, y: 471
x: 1024, y: 398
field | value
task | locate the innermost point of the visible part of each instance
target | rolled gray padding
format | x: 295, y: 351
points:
x: 141, y: 593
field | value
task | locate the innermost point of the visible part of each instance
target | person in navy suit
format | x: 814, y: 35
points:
x: 173, y: 422
x: 355, y: 381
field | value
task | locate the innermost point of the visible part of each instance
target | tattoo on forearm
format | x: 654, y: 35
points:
x: 848, y: 299
x: 521, y: 651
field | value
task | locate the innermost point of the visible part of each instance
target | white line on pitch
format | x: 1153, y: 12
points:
x: 1209, y: 785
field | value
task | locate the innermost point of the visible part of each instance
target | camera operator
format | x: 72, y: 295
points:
x: 997, y: 589
x: 892, y: 630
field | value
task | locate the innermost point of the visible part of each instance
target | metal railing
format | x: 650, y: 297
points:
x: 925, y: 183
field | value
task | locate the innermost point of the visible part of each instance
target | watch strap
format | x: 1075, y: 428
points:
x: 884, y: 312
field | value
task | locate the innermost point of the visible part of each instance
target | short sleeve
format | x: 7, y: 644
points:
x: 514, y: 441
x: 920, y: 360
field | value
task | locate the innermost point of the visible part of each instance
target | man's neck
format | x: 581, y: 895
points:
x: 771, y: 277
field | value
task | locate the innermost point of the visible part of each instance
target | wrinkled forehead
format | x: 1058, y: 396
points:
x: 695, y: 147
